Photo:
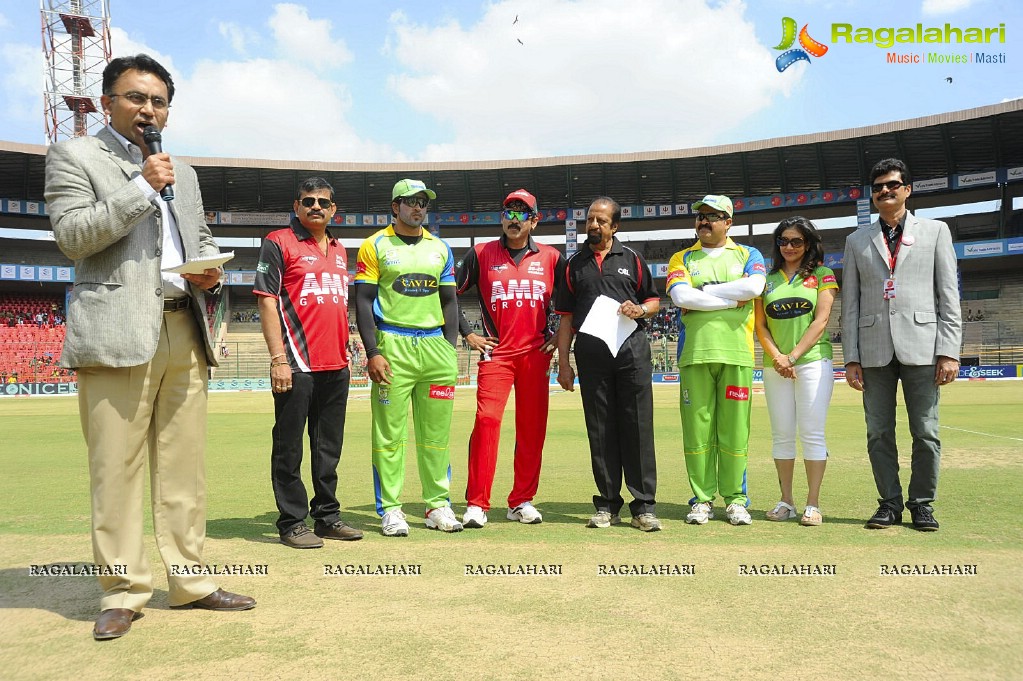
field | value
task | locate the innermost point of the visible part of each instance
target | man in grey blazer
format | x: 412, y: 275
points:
x: 901, y: 321
x: 139, y: 338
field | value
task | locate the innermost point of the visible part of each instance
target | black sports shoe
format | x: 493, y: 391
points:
x: 884, y: 517
x: 923, y: 519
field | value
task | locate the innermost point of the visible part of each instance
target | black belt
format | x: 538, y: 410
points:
x: 175, y: 304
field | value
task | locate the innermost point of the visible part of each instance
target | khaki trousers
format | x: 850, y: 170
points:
x: 159, y: 409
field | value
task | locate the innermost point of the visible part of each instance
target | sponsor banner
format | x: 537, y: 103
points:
x: 974, y: 179
x: 982, y: 249
x: 816, y: 197
x: 16, y: 389
x: 990, y: 371
x: 240, y: 384
x: 1014, y: 245
x: 930, y: 185
x: 22, y: 207
x: 258, y: 219
x: 863, y: 213
x: 1014, y: 174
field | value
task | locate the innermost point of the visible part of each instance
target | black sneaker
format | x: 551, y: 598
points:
x: 884, y: 517
x: 923, y: 519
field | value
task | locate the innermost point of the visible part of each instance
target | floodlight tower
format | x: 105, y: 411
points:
x: 76, y: 42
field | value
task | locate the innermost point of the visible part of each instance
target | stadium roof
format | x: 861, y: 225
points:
x: 972, y: 140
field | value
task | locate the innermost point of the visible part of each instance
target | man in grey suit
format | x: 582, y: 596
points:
x: 901, y: 321
x: 139, y: 338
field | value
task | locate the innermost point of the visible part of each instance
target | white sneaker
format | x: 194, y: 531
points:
x: 443, y: 518
x: 525, y: 513
x: 701, y: 513
x: 603, y: 519
x: 474, y: 516
x: 738, y: 515
x: 393, y: 524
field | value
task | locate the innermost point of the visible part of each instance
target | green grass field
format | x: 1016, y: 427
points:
x: 443, y: 624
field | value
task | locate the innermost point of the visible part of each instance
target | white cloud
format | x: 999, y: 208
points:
x: 4, y: 22
x: 600, y: 75
x: 306, y: 41
x: 240, y: 37
x: 267, y: 109
x: 938, y: 7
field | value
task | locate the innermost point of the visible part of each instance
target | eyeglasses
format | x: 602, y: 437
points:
x: 310, y: 200
x: 138, y: 99
x: 890, y: 186
x: 710, y: 217
x: 519, y: 215
x: 797, y: 242
x: 415, y: 201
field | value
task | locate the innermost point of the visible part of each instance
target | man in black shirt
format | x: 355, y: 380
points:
x: 616, y: 388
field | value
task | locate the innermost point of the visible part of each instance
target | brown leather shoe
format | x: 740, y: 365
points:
x: 301, y: 537
x: 338, y: 530
x: 220, y: 600
x: 114, y: 623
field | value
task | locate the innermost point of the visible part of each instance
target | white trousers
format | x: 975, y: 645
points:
x: 799, y: 405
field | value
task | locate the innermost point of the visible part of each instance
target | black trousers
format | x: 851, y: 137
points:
x: 618, y: 402
x: 321, y: 399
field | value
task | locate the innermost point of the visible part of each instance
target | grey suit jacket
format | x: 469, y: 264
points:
x: 924, y: 319
x: 102, y: 221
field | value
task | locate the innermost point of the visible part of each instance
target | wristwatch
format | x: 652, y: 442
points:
x: 792, y: 360
x: 643, y: 307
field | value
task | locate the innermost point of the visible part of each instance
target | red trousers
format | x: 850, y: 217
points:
x: 529, y: 374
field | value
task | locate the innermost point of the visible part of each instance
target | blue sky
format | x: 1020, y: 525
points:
x: 350, y: 80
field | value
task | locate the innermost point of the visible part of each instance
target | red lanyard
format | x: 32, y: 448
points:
x: 893, y: 257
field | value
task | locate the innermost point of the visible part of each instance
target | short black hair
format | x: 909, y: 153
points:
x: 313, y: 184
x: 616, y: 210
x: 138, y: 62
x: 890, y: 165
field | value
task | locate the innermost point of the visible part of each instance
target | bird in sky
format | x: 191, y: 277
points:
x: 520, y: 42
x: 948, y: 79
x: 516, y: 20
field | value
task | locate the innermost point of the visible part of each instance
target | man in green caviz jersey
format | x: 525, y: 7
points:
x: 407, y: 315
x: 713, y: 283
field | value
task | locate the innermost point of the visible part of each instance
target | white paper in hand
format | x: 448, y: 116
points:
x: 198, y: 265
x: 604, y: 322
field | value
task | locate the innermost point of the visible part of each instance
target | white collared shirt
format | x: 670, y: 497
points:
x: 172, y: 252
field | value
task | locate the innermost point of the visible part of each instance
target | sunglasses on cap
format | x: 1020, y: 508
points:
x: 797, y: 242
x: 310, y: 201
x: 890, y: 186
x: 520, y: 215
x: 415, y: 201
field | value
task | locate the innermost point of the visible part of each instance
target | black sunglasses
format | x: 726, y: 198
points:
x: 710, y: 217
x: 797, y: 242
x: 309, y: 201
x: 415, y: 201
x: 890, y: 186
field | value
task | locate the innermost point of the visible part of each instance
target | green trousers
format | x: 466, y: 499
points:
x: 425, y: 370
x: 715, y: 406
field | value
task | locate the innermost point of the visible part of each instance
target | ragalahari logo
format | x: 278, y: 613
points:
x: 788, y: 37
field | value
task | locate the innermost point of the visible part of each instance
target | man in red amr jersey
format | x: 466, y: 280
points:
x: 515, y: 278
x: 302, y: 287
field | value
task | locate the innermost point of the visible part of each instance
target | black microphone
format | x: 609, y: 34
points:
x: 154, y: 140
